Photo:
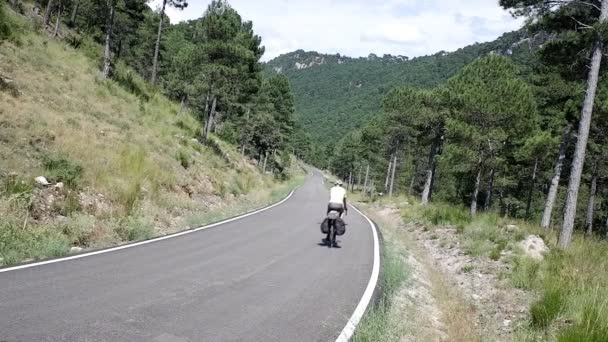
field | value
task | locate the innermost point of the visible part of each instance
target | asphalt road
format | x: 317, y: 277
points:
x: 261, y: 278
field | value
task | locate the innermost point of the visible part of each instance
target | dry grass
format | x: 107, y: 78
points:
x: 570, y: 284
x: 411, y: 319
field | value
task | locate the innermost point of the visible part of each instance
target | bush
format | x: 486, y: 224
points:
x: 69, y: 205
x: 135, y: 228
x: 62, y: 170
x: 184, y: 159
x: 79, y: 229
x: 5, y: 24
x: 18, y: 243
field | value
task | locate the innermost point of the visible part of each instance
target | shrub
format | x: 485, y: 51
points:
x: 135, y: 228
x: 18, y: 243
x: 79, y: 229
x: 62, y: 170
x: 184, y: 159
x: 5, y: 24
x: 69, y: 205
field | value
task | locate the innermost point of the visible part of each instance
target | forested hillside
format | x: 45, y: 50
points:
x: 116, y: 125
x: 335, y: 94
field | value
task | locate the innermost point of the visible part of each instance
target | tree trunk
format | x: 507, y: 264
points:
x: 410, y: 190
x: 366, y: 178
x: 359, y: 177
x: 350, y: 180
x: 591, y: 205
x: 552, y: 195
x: 47, y: 13
x: 107, y: 55
x: 56, y: 31
x: 209, y: 122
x: 265, y: 161
x: 531, y: 189
x: 390, y: 193
x: 578, y: 161
x: 388, y: 174
x: 181, y: 105
x: 428, y: 183
x: 74, y: 13
x: 157, y: 47
x: 476, y: 189
x: 488, y: 202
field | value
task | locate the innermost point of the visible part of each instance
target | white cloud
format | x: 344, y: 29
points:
x: 359, y: 27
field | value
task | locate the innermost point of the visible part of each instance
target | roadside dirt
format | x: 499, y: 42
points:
x: 451, y: 296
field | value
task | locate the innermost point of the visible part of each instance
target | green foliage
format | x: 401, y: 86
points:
x: 546, y: 309
x: 184, y: 158
x: 131, y: 82
x: 17, y: 243
x: 591, y: 328
x: 69, y: 205
x: 375, y: 324
x: 134, y: 228
x: 467, y: 268
x: 5, y: 24
x: 62, y: 169
x: 525, y: 272
x: 335, y: 94
x: 79, y: 229
x: 446, y: 215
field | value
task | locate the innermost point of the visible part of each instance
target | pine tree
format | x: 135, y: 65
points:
x: 494, y: 108
x: 595, y: 13
x: 179, y: 4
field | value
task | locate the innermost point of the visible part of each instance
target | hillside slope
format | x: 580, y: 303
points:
x: 336, y: 93
x: 121, y: 167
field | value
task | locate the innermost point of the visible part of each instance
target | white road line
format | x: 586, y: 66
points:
x: 351, y: 325
x: 108, y: 250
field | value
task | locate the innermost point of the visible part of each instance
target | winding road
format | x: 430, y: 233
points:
x: 263, y: 277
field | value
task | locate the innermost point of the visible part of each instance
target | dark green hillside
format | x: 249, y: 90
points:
x: 335, y: 93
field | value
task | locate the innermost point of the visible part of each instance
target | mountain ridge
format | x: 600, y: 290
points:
x: 335, y: 93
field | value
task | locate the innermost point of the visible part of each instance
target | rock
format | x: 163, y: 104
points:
x: 59, y: 185
x: 534, y: 247
x: 75, y: 249
x: 41, y: 180
x: 506, y: 322
x: 512, y: 228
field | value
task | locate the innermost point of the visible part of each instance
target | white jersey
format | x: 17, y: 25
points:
x: 337, y: 194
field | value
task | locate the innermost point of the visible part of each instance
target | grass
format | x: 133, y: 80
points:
x: 376, y: 324
x: 17, y: 243
x: 60, y: 169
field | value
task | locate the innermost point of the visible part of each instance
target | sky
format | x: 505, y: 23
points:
x: 359, y: 27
